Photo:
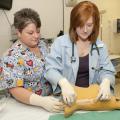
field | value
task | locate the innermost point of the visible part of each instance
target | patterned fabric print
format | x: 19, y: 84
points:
x: 1, y: 74
x: 1, y: 70
x: 24, y: 68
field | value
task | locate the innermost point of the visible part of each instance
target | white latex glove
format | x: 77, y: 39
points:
x: 104, y: 92
x: 49, y: 103
x: 68, y: 92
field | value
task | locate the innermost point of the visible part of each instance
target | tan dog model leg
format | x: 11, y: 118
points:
x: 86, y: 100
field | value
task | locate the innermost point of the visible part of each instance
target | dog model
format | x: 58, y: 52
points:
x: 86, y: 100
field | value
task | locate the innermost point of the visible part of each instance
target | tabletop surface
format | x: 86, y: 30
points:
x: 15, y: 110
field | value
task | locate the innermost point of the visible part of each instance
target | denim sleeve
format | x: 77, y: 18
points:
x: 54, y: 65
x: 108, y: 71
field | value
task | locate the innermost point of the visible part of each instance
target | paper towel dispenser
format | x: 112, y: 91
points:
x: 118, y: 25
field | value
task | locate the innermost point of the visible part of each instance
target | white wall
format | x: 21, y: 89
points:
x: 51, y: 14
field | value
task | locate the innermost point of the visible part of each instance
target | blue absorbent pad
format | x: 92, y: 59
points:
x: 92, y: 115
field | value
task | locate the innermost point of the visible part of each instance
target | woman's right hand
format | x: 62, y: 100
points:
x: 49, y: 103
x: 68, y: 93
x: 52, y: 104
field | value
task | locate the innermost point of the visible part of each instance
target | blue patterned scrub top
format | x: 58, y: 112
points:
x: 1, y: 73
x: 21, y: 67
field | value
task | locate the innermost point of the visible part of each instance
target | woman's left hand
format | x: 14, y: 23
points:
x: 104, y: 92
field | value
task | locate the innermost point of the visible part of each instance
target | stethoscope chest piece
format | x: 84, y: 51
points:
x: 73, y: 59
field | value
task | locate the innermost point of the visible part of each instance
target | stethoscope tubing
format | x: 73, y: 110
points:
x: 73, y: 58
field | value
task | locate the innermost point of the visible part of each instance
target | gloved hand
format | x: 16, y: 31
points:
x: 49, y: 103
x: 104, y: 92
x: 68, y: 92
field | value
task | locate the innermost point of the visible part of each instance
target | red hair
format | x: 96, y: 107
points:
x: 79, y: 15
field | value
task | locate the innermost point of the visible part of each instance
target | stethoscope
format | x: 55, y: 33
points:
x: 93, y: 47
x: 73, y: 58
x: 101, y: 68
